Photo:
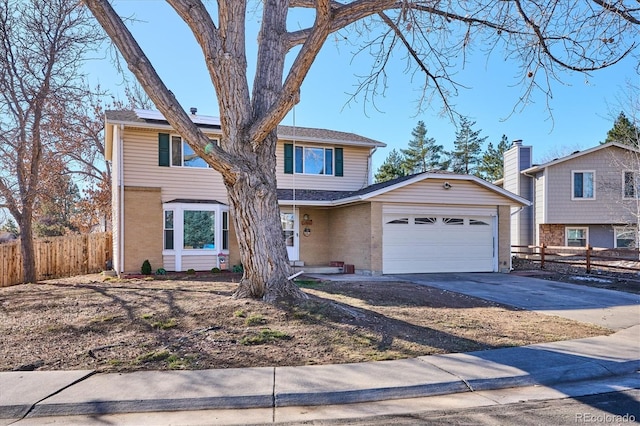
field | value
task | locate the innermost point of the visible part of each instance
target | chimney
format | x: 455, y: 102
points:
x: 517, y: 142
x: 193, y: 110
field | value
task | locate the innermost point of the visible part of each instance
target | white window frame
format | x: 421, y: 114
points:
x: 636, y: 184
x: 573, y: 197
x: 566, y: 235
x: 617, y: 229
x: 324, y: 157
x: 178, y: 250
x: 215, y: 141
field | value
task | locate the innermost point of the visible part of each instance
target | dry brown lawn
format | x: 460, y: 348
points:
x: 91, y: 322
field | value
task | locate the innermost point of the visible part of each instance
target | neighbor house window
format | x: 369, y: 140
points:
x: 631, y: 184
x: 583, y: 185
x: 625, y: 238
x: 577, y: 237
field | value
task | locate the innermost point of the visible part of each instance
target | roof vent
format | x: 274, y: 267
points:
x: 517, y: 142
x: 193, y: 110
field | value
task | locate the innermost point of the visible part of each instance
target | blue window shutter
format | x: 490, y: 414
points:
x: 339, y: 162
x: 288, y: 158
x: 163, y: 149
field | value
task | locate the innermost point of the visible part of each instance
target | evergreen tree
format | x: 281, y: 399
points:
x: 10, y: 226
x: 393, y: 167
x: 491, y: 167
x: 56, y: 212
x: 467, y: 151
x: 624, y: 131
x: 423, y: 154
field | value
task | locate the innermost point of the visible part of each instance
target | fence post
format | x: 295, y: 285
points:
x: 588, y: 259
x: 542, y: 256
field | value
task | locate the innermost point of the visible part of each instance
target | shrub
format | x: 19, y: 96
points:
x: 238, y: 268
x: 215, y: 270
x: 191, y: 271
x: 161, y: 271
x: 146, y: 268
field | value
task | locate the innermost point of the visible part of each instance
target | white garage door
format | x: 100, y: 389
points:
x: 417, y: 243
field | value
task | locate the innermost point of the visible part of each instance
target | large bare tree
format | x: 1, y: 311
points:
x: 42, y: 44
x: 540, y: 37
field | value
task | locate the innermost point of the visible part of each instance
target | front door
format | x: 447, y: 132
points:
x: 289, y: 220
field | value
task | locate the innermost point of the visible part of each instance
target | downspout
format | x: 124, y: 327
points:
x: 121, y: 194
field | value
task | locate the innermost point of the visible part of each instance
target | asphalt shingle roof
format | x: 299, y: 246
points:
x: 284, y: 132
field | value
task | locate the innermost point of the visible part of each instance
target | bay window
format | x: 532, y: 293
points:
x: 196, y: 228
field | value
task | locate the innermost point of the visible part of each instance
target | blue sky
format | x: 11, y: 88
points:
x: 582, y: 109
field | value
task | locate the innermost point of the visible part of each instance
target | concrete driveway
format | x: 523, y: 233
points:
x: 612, y: 309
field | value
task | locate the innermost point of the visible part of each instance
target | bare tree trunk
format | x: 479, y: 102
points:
x: 254, y: 201
x: 26, y: 248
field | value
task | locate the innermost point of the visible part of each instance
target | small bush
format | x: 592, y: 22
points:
x: 238, y: 268
x: 146, y: 268
x: 239, y: 313
x: 215, y: 270
x: 191, y: 271
x: 161, y: 271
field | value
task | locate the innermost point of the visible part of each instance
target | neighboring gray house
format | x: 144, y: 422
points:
x: 589, y: 197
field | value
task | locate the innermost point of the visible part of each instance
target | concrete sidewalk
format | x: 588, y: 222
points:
x: 67, y: 393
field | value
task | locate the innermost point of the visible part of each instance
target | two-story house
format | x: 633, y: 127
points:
x: 171, y: 208
x: 589, y: 197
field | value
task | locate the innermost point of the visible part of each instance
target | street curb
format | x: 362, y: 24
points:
x: 553, y: 376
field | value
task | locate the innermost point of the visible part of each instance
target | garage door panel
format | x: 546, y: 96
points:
x: 442, y: 243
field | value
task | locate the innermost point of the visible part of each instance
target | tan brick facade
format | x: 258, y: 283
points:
x: 142, y: 228
x: 351, y: 235
x: 552, y: 234
x: 314, y: 244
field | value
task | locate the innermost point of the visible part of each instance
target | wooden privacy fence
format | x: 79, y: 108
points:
x: 57, y: 257
x: 587, y: 257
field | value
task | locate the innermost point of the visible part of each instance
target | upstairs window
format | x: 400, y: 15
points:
x: 175, y: 152
x: 631, y: 184
x: 313, y: 160
x: 583, y: 184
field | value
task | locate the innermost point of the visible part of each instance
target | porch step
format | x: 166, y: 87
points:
x: 318, y: 269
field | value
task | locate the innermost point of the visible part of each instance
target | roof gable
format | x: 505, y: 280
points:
x: 335, y: 198
x: 578, y: 154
